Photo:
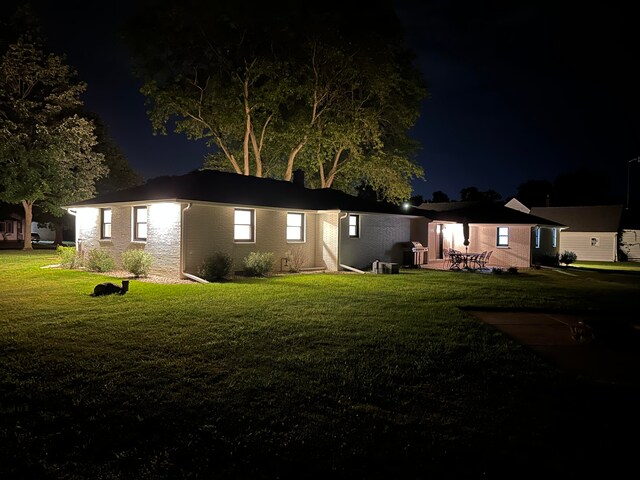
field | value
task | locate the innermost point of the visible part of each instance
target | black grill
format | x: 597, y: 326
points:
x: 415, y: 255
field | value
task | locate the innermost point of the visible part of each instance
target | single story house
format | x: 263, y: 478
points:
x: 11, y: 222
x: 592, y: 231
x: 181, y: 220
x: 515, y: 238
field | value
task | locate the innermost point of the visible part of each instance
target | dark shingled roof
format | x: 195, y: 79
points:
x: 231, y: 188
x: 605, y: 218
x: 482, y: 212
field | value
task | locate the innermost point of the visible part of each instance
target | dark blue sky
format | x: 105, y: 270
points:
x: 519, y: 90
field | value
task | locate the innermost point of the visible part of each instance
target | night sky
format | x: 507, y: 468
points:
x: 519, y: 90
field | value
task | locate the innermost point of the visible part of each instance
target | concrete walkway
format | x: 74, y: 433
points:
x: 603, y: 356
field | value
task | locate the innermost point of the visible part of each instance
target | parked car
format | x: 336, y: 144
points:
x: 35, y: 237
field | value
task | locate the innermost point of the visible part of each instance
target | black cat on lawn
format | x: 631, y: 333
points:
x: 109, y: 288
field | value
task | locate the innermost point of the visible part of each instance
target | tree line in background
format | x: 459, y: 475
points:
x: 52, y: 151
x: 321, y: 86
x: 576, y: 188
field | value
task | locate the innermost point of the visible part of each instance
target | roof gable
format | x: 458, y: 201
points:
x: 603, y: 218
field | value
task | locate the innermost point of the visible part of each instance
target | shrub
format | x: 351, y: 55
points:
x: 100, y: 261
x: 512, y: 270
x: 296, y: 258
x: 568, y: 257
x: 216, y: 267
x: 497, y: 270
x: 69, y: 257
x: 258, y: 263
x: 137, y: 261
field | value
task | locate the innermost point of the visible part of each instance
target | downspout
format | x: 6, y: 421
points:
x: 183, y: 255
x: 340, y: 265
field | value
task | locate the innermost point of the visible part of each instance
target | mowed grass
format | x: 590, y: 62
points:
x: 619, y: 266
x: 299, y: 376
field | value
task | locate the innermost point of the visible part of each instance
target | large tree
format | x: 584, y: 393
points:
x: 286, y: 85
x: 47, y: 154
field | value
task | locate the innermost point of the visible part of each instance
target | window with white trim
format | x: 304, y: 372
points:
x: 105, y: 223
x: 243, y: 225
x: 295, y: 227
x: 554, y: 238
x: 354, y: 225
x: 140, y: 224
x: 502, y: 237
x: 537, y: 237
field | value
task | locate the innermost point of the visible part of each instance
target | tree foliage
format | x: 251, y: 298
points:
x: 46, y: 147
x: 281, y: 86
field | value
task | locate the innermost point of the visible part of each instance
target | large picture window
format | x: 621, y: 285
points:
x: 140, y: 223
x: 243, y: 225
x: 295, y: 227
x: 105, y: 223
x: 503, y: 237
x: 354, y: 226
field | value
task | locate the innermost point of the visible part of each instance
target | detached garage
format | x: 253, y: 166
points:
x: 592, y: 232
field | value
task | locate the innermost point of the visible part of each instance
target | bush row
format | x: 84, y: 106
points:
x: 135, y: 261
x: 219, y: 265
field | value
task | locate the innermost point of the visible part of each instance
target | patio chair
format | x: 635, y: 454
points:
x: 485, y: 260
x: 447, y: 258
x: 478, y: 260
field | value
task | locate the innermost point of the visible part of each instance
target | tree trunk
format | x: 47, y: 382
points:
x: 59, y: 228
x: 292, y: 157
x: 28, y: 216
x: 247, y: 131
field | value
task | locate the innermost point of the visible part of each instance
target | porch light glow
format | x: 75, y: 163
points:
x: 164, y: 216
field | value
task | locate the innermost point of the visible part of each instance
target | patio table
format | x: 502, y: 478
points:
x: 462, y: 260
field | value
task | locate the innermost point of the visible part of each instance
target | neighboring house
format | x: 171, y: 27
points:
x: 11, y: 222
x: 592, y: 231
x: 516, y: 239
x: 181, y: 220
x: 630, y: 239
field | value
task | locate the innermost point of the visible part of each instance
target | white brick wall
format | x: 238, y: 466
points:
x: 382, y: 237
x: 327, y: 245
x: 163, y: 234
x: 209, y: 228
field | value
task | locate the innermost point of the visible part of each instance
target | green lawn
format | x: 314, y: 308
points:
x: 620, y: 266
x: 300, y: 376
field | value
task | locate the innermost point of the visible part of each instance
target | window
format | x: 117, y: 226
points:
x: 140, y: 223
x: 354, y: 226
x: 295, y: 227
x: 2, y: 227
x: 537, y: 237
x: 105, y: 221
x: 554, y: 238
x: 243, y: 225
x: 503, y: 237
x: 595, y: 241
x: 9, y: 227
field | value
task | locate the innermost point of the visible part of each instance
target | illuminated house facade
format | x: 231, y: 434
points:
x: 515, y: 238
x: 184, y: 219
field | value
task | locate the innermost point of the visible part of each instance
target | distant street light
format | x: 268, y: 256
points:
x: 637, y: 159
